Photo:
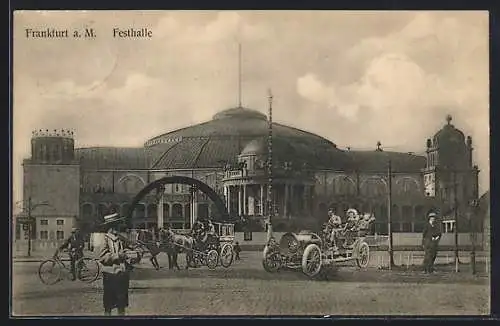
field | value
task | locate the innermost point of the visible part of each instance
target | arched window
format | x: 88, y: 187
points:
x: 44, y: 152
x: 87, y: 211
x: 102, y: 210
x: 130, y: 184
x: 344, y: 186
x: 373, y: 187
x: 55, y: 152
x: 407, y: 213
x: 408, y: 186
x: 177, y: 211
x: 395, y: 213
x: 382, y: 220
x: 419, y: 218
x: 187, y: 211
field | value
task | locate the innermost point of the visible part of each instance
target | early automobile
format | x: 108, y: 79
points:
x: 315, y: 255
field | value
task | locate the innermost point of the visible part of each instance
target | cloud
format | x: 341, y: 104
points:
x: 352, y: 78
x: 412, y: 77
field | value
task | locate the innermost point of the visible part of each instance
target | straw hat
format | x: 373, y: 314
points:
x: 432, y: 214
x: 112, y: 219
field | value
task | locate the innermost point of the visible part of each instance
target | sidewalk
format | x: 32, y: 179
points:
x: 39, y: 256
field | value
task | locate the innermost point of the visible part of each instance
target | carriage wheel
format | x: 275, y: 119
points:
x: 49, y: 272
x: 311, y: 260
x: 226, y: 255
x: 212, y: 259
x: 271, y: 261
x: 363, y: 257
x: 88, y: 269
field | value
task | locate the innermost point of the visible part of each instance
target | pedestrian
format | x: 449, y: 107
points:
x: 75, y: 244
x: 116, y: 267
x: 237, y: 250
x: 430, y: 240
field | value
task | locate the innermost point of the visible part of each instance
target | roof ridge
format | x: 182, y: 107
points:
x: 306, y: 132
x: 180, y: 129
x: 200, y: 151
x: 164, y: 154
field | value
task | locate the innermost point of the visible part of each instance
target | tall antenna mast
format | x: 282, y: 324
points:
x: 239, y: 74
x: 270, y: 163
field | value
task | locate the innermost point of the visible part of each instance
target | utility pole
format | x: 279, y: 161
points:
x: 30, y: 222
x: 455, y: 204
x: 270, y: 167
x: 472, y: 225
x: 389, y: 214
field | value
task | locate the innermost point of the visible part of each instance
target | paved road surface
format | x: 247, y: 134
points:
x: 246, y: 289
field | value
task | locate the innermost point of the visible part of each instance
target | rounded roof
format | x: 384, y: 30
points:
x: 449, y: 132
x: 222, y: 139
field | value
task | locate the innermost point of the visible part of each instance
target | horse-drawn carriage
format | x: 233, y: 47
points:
x: 207, y: 245
x: 315, y: 255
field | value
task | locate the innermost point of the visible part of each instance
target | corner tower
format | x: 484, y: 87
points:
x: 52, y: 176
x: 450, y: 175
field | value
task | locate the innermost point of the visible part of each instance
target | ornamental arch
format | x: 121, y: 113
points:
x: 222, y: 214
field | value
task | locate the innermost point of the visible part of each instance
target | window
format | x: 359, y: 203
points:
x: 60, y: 222
x: 177, y: 210
x: 177, y: 225
x: 152, y: 210
x: 44, y: 222
x: 44, y: 235
x: 406, y: 227
x: 166, y: 210
x: 60, y: 235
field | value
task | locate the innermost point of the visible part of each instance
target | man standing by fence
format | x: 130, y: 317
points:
x: 430, y: 241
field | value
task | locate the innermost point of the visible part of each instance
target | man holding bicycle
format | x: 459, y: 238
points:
x: 75, y: 244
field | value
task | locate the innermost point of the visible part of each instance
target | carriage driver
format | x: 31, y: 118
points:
x: 334, y: 225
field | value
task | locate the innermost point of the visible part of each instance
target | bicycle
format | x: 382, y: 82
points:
x: 52, y: 270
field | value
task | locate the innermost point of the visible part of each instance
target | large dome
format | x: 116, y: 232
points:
x: 213, y: 143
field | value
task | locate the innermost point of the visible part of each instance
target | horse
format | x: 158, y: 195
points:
x: 175, y: 244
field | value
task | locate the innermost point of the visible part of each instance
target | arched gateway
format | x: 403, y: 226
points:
x: 203, y: 187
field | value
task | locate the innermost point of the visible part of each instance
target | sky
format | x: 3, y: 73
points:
x: 353, y: 77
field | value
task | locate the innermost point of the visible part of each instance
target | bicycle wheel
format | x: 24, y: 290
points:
x: 88, y: 269
x: 49, y: 272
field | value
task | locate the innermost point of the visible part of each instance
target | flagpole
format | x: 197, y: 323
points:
x: 270, y: 167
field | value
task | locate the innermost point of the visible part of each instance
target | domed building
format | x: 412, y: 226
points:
x: 229, y: 153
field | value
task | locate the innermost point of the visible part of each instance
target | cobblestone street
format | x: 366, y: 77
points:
x: 246, y: 289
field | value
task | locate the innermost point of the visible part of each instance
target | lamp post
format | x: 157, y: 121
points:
x: 389, y: 214
x: 472, y: 225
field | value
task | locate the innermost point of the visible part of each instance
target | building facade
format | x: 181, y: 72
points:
x: 229, y: 153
